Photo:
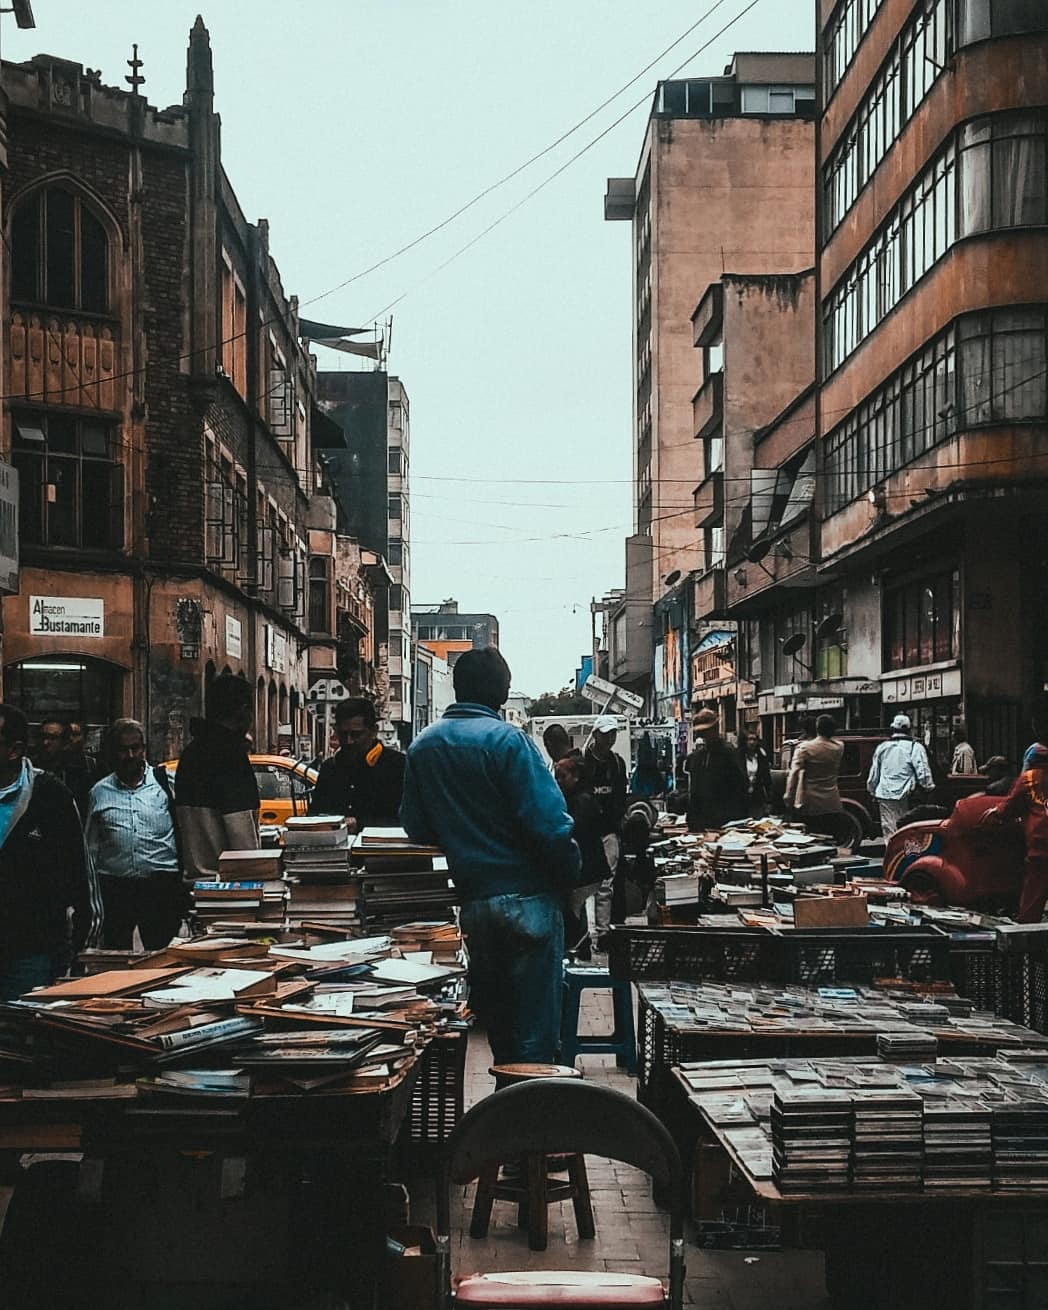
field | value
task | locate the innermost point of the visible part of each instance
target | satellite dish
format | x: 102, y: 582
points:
x: 672, y: 577
x: 794, y: 643
x: 758, y: 551
x: 830, y: 625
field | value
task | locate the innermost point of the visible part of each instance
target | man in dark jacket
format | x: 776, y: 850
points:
x: 57, y: 756
x: 570, y: 773
x: 364, y: 780
x: 607, y: 782
x: 44, y: 869
x: 717, y: 791
x: 477, y: 787
x: 216, y: 794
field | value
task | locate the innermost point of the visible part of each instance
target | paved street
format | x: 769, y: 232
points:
x: 631, y: 1230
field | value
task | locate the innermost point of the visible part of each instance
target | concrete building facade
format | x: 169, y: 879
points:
x: 932, y: 409
x: 448, y: 632
x: 725, y: 181
x: 158, y: 406
x: 370, y: 480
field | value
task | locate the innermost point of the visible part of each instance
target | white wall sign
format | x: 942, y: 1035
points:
x: 66, y: 616
x: 276, y: 649
x: 233, y: 634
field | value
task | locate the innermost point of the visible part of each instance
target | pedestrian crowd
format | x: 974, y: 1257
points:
x: 545, y: 857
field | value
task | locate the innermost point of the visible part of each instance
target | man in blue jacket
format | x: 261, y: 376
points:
x: 477, y: 787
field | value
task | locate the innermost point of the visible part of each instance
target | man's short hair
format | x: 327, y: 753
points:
x: 358, y: 708
x: 825, y: 726
x: 228, y: 695
x: 119, y: 726
x: 555, y: 732
x: 482, y: 677
x: 14, y: 726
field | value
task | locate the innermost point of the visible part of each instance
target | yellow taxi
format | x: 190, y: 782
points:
x: 284, y: 786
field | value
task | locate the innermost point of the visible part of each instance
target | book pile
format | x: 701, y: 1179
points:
x: 441, y: 940
x: 886, y: 1139
x: 249, y: 899
x: 399, y: 877
x: 811, y: 1134
x: 321, y: 887
x: 958, y: 1144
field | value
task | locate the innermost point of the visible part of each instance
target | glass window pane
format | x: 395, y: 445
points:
x: 911, y: 629
x: 30, y: 497
x: 25, y: 250
x: 1019, y: 181
x: 61, y: 497
x: 975, y: 187
x: 61, y: 434
x: 94, y: 440
x: 94, y: 266
x: 59, y: 210
x: 975, y: 381
x: 95, y: 481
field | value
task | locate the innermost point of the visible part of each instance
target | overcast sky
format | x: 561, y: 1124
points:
x: 353, y: 127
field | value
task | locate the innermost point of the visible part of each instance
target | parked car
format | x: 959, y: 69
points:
x: 284, y: 786
x: 960, y: 861
x: 860, y: 807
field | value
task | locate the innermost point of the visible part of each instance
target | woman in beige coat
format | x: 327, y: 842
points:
x: 811, y: 787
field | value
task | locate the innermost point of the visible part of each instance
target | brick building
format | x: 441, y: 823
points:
x: 933, y: 349
x: 724, y: 182
x: 158, y: 410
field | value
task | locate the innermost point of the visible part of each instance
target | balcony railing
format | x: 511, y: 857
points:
x: 63, y: 359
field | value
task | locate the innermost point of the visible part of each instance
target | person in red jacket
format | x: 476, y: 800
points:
x: 1028, y: 800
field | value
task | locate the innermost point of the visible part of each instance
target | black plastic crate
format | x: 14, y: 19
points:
x: 692, y: 954
x: 976, y: 974
x: 819, y: 956
x: 438, y: 1097
x: 1013, y: 999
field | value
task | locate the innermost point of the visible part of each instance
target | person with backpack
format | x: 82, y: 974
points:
x: 132, y: 841
x: 899, y: 769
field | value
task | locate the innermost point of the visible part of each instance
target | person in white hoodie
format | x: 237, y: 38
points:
x: 900, y: 765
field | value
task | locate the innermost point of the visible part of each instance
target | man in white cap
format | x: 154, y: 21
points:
x: 899, y: 766
x: 607, y: 783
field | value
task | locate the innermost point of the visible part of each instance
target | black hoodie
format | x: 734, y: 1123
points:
x: 216, y: 798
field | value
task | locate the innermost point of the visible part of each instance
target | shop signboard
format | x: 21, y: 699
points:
x: 66, y: 616
x: 916, y: 687
x: 598, y: 691
x: 8, y: 529
x: 234, y: 644
x: 276, y: 649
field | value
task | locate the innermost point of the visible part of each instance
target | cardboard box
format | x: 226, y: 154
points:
x: 830, y: 912
x: 410, y: 1279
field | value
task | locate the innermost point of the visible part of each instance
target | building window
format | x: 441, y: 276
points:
x: 922, y: 621
x: 993, y: 175
x: 831, y: 646
x: 713, y: 454
x: 713, y: 541
x: 713, y: 358
x: 71, y: 489
x: 395, y: 551
x: 775, y: 99
x: 234, y: 328
x: 394, y: 461
x: 979, y: 19
x: 396, y: 597
x: 59, y: 253
x: 395, y: 505
x: 989, y: 368
x: 843, y: 37
x: 319, y: 593
x: 396, y: 645
x: 396, y: 416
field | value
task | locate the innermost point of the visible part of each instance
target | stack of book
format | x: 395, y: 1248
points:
x: 958, y: 1144
x: 811, y: 1134
x: 442, y: 941
x: 887, y: 1139
x: 399, y: 877
x: 321, y: 887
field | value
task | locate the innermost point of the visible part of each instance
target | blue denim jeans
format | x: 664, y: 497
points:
x: 24, y: 972
x: 516, y: 952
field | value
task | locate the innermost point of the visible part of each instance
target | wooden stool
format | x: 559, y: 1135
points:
x: 536, y: 1190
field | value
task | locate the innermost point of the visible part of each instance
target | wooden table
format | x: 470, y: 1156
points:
x: 269, y: 1200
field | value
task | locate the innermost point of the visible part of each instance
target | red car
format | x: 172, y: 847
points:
x: 960, y: 860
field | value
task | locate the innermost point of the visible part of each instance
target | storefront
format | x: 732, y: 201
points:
x: 932, y: 701
x: 76, y: 689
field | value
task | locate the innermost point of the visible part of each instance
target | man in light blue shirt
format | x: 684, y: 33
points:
x: 899, y: 766
x: 131, y: 839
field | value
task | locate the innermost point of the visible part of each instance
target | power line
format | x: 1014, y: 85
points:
x: 563, y: 167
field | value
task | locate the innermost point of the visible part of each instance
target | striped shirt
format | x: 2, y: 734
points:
x: 129, y: 830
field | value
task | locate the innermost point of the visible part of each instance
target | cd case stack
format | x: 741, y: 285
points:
x: 958, y: 1145
x: 811, y: 1134
x: 887, y: 1139
x: 1020, y: 1146
x: 900, y: 1047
